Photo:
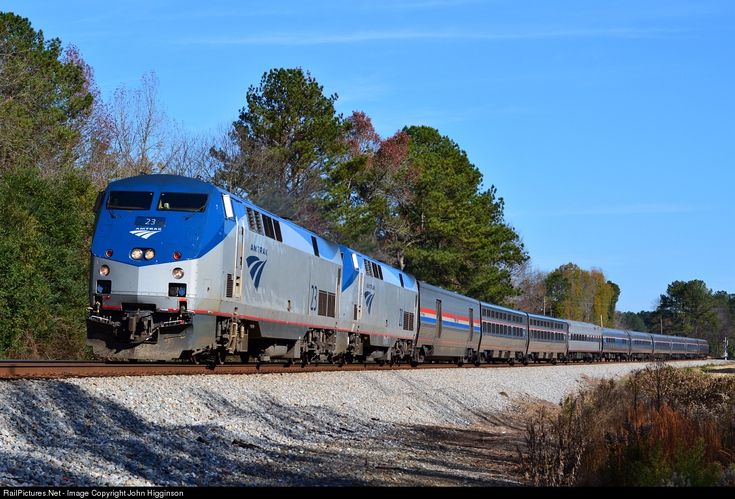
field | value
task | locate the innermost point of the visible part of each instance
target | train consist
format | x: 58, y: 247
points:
x: 181, y: 269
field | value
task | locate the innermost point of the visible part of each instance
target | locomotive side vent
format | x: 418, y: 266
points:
x: 408, y: 318
x: 228, y: 292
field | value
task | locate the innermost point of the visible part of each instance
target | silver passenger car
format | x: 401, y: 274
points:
x: 450, y: 325
x: 585, y: 341
x: 661, y: 346
x: 504, y: 334
x: 641, y: 345
x: 615, y: 344
x: 547, y: 338
x: 678, y: 347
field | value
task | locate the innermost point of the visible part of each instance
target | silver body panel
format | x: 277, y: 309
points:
x: 378, y: 305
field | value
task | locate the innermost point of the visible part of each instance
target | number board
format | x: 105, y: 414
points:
x: 150, y: 222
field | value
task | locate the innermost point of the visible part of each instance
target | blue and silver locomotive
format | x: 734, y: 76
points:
x: 181, y: 269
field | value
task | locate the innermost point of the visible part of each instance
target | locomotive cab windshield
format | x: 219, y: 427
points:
x: 182, y: 201
x: 129, y: 200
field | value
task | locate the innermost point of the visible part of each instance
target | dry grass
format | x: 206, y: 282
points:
x: 659, y: 426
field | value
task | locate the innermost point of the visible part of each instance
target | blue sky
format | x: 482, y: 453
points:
x: 607, y: 127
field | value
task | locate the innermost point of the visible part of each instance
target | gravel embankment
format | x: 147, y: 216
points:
x: 351, y: 428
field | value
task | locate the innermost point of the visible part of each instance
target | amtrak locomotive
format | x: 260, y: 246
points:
x: 181, y: 269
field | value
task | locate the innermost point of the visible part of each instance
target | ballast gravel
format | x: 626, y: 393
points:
x: 336, y: 428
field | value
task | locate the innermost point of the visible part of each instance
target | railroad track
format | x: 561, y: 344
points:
x: 24, y: 369
x: 66, y: 369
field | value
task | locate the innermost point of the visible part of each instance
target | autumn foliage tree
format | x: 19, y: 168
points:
x: 369, y: 189
x: 582, y: 295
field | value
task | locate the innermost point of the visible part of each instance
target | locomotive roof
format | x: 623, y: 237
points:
x: 159, y: 180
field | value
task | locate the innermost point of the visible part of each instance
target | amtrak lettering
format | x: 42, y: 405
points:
x: 258, y: 249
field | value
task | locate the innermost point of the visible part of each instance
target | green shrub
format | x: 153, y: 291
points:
x: 44, y: 246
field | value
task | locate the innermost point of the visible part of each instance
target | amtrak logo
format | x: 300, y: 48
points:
x: 144, y: 233
x: 369, y: 295
x: 256, y: 266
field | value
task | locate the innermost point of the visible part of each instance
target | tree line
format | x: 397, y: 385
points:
x: 568, y: 292
x: 413, y: 199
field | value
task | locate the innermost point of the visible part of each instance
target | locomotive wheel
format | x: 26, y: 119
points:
x: 219, y: 357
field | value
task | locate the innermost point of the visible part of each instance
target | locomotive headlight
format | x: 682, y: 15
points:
x: 136, y: 254
x: 178, y: 273
x: 149, y: 254
x: 104, y: 270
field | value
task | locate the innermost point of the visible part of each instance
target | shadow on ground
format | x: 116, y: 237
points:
x: 62, y: 435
